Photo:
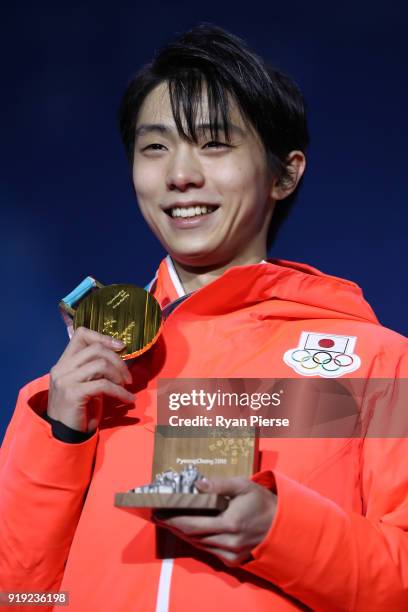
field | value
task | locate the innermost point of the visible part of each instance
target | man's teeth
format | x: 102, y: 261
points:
x: 191, y: 211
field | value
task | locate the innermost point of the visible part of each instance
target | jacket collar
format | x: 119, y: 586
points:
x: 297, y: 290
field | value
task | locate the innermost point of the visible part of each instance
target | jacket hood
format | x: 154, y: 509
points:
x: 289, y: 289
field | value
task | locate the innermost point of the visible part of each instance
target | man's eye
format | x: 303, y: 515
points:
x: 215, y: 144
x: 155, y: 146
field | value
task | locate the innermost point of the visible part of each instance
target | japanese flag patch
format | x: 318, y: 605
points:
x: 326, y: 355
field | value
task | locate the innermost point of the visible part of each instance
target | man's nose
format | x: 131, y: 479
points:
x: 184, y: 170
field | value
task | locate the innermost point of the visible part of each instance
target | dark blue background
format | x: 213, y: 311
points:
x: 67, y: 205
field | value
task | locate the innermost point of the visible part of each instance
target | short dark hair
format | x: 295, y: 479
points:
x: 209, y: 56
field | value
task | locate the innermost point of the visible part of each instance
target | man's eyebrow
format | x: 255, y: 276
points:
x: 163, y: 129
x: 144, y: 128
x: 206, y: 127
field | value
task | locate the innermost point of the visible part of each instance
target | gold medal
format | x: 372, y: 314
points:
x: 126, y: 312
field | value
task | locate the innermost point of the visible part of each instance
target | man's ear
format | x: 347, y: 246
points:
x: 295, y: 166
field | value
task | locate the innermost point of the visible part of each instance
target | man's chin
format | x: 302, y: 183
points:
x: 199, y: 258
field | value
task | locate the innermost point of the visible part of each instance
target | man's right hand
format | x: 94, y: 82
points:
x: 88, y: 369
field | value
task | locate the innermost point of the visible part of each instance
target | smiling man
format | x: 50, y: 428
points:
x: 209, y: 202
x: 216, y: 141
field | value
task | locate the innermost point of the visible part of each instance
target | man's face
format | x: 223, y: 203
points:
x: 208, y: 203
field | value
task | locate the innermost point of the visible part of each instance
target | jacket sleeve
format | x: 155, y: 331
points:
x: 334, y: 560
x: 43, y: 482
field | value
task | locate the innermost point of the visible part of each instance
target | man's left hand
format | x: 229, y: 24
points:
x: 232, y: 534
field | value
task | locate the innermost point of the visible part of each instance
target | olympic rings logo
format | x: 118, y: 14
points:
x: 328, y: 362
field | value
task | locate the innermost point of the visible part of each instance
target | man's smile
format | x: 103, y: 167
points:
x: 189, y: 217
x: 191, y: 210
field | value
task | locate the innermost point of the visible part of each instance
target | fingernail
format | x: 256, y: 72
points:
x: 203, y: 484
x: 117, y: 343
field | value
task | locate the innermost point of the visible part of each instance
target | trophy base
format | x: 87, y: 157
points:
x: 172, y: 501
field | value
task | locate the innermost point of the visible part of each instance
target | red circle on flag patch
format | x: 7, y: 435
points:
x: 326, y: 343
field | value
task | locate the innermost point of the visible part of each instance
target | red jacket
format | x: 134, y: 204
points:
x: 339, y: 538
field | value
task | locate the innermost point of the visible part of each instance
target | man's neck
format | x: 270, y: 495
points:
x: 193, y: 278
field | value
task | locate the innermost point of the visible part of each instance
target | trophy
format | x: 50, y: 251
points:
x: 133, y: 315
x: 183, y: 459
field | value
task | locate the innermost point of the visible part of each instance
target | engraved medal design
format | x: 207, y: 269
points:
x: 125, y: 312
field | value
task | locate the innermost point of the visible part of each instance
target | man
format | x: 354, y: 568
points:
x: 217, y: 143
